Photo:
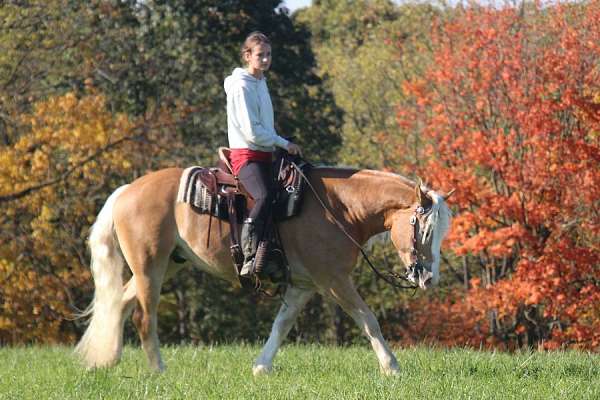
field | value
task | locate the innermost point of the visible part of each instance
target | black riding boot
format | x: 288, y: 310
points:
x: 251, y: 235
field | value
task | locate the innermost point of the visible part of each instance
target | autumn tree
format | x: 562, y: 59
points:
x: 75, y: 151
x: 510, y: 111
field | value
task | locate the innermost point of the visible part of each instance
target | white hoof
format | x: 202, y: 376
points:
x: 390, y: 371
x: 158, y: 368
x: 261, y: 370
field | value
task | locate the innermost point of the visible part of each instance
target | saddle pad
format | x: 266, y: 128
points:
x: 193, y: 191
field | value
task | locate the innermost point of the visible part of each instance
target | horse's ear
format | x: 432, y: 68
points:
x: 420, y: 194
x: 447, y: 195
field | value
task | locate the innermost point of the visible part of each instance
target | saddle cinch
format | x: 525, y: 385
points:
x: 219, y: 193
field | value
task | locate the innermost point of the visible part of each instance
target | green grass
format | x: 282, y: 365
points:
x: 301, y: 372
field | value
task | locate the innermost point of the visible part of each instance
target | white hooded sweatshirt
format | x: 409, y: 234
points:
x: 250, y: 113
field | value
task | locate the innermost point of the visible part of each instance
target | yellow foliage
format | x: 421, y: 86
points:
x: 74, y: 152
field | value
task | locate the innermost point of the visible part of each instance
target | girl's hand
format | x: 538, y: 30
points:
x: 294, y: 149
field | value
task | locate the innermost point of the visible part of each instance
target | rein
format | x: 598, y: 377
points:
x: 391, y: 277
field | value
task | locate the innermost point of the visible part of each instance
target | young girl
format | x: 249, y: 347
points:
x: 252, y: 138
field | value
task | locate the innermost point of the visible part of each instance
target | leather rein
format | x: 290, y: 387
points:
x: 390, y: 277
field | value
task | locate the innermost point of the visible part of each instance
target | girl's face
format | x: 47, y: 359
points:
x: 259, y: 59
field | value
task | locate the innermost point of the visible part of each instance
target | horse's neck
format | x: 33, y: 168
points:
x: 365, y: 199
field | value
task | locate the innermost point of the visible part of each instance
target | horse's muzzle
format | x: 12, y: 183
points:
x: 419, y: 275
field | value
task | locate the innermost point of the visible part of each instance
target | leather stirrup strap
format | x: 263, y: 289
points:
x: 213, y: 204
x: 234, y: 238
x: 233, y: 219
x: 210, y: 217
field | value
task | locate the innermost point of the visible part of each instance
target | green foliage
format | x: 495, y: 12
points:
x: 178, y: 53
x: 39, y: 56
x: 367, y: 49
x: 302, y: 372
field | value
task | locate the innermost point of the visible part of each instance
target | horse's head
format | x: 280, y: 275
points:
x: 417, y: 234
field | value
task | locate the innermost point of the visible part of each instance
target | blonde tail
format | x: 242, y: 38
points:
x: 102, y: 343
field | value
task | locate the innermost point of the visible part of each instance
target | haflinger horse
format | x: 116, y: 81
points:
x: 141, y: 225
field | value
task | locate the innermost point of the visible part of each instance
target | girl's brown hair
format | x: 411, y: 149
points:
x: 252, y: 40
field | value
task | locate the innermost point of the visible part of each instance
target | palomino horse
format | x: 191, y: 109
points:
x: 141, y: 224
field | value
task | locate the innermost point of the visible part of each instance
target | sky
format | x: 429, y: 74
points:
x: 295, y: 4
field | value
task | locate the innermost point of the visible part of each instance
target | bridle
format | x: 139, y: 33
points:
x: 415, y: 268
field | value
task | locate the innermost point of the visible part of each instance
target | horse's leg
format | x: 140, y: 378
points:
x: 148, y: 282
x: 293, y: 302
x: 345, y: 294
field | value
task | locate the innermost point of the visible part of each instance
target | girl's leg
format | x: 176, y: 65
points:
x: 257, y: 178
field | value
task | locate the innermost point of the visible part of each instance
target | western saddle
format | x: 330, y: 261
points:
x: 219, y: 193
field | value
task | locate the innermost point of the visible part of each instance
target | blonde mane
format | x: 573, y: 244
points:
x: 436, y: 226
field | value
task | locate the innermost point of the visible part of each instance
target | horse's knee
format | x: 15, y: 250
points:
x: 145, y: 324
x: 137, y: 317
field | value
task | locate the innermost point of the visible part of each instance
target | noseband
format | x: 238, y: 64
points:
x: 415, y: 268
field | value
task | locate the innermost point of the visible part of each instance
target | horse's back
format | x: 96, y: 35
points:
x: 166, y: 176
x: 152, y: 191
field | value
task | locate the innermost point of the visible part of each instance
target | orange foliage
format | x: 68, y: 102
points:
x: 511, y: 111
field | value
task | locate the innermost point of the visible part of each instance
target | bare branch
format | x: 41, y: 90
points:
x: 67, y: 173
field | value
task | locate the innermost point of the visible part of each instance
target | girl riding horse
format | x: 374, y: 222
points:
x: 252, y: 138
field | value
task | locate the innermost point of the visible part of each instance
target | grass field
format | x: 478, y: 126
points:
x: 301, y: 372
